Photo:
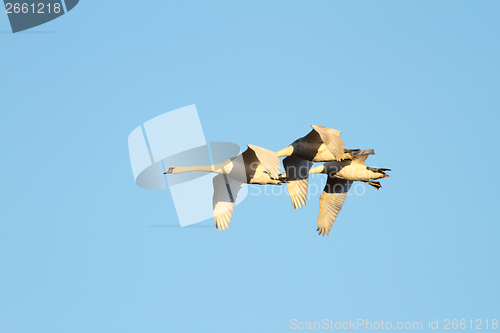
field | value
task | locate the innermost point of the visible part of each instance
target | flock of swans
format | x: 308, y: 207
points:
x: 261, y: 166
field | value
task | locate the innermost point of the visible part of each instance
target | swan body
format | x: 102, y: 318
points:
x: 355, y: 171
x: 256, y: 165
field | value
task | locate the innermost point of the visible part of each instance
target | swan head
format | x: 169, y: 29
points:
x: 169, y: 171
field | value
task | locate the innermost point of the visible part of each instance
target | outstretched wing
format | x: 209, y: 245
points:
x: 297, y: 179
x: 330, y: 203
x: 359, y: 156
x: 331, y: 138
x: 225, y: 192
x: 266, y: 157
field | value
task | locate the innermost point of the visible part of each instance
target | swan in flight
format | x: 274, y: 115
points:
x: 256, y: 165
x: 341, y: 175
x: 322, y: 144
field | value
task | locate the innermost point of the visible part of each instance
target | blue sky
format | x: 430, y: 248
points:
x: 416, y: 81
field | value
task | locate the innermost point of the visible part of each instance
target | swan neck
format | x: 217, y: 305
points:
x: 287, y: 151
x: 318, y: 169
x: 206, y: 168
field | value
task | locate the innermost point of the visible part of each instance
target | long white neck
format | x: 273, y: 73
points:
x: 224, y: 167
x: 287, y: 151
x: 206, y: 168
x: 318, y: 169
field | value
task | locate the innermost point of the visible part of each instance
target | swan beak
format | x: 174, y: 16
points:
x: 170, y: 170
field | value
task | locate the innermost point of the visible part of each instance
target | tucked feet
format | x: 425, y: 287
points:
x: 374, y: 184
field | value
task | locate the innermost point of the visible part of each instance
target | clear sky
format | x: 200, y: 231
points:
x: 418, y: 81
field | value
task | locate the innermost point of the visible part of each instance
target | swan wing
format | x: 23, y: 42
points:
x: 297, y: 179
x: 225, y: 192
x: 361, y: 155
x: 330, y: 203
x: 266, y: 157
x: 331, y: 138
x: 366, y: 152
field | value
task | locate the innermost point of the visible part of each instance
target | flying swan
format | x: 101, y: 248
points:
x: 256, y: 165
x: 322, y: 144
x: 341, y: 175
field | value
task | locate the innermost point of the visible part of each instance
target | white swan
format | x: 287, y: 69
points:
x: 256, y: 165
x: 322, y: 144
x: 341, y: 175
